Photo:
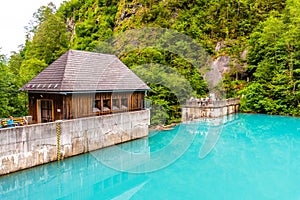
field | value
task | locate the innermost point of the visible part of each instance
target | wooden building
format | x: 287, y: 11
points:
x: 81, y: 84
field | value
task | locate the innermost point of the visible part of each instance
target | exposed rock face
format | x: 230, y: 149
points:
x: 244, y: 54
x: 222, y: 64
x: 219, y: 46
x: 71, y: 26
x: 225, y: 64
x: 126, y: 12
x: 218, y: 68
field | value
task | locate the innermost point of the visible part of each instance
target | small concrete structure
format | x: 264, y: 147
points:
x: 196, y: 108
x: 28, y: 146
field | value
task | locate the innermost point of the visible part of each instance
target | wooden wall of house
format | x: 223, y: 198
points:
x: 83, y: 105
x: 32, y: 104
x: 106, y: 103
x: 74, y: 106
x: 137, y: 100
x: 57, y: 105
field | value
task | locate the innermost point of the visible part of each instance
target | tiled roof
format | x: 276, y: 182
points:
x: 77, y: 71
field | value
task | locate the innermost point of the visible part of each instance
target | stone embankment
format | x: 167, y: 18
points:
x: 197, y: 108
x: 28, y: 146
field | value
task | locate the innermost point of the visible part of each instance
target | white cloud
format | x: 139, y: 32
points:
x: 14, y: 16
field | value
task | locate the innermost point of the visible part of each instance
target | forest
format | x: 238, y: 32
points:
x: 260, y: 38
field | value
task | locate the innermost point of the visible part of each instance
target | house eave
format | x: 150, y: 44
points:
x: 84, y: 91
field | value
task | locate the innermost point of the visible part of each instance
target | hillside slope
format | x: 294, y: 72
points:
x: 237, y: 35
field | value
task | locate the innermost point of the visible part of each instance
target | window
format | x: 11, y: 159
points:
x: 115, y: 104
x: 124, y: 103
x: 97, y: 106
x: 106, y: 105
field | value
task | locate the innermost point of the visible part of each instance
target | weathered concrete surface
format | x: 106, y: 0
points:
x: 88, y: 134
x: 28, y: 146
x: 190, y: 113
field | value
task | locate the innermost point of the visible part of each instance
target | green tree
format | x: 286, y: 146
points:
x: 9, y: 95
x: 50, y: 39
x: 272, y: 27
x: 274, y: 55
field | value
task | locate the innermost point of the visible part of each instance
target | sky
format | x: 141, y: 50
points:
x: 14, y: 16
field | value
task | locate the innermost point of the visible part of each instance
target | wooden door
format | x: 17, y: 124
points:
x: 45, y: 111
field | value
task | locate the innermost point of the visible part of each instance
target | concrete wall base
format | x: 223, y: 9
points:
x: 29, y: 146
x: 189, y: 113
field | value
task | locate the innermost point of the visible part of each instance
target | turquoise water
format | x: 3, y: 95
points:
x: 243, y: 156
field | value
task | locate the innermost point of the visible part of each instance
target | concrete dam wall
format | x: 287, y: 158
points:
x: 29, y: 146
x: 196, y: 109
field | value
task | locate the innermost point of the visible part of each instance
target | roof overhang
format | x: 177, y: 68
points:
x: 84, y: 91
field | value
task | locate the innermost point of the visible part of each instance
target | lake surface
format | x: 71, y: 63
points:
x: 243, y: 156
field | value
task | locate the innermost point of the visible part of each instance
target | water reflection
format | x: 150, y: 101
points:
x: 80, y: 177
x: 170, y: 145
x: 212, y: 129
x: 140, y: 160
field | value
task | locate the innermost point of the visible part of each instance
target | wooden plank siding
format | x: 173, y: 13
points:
x: 72, y: 106
x: 137, y: 101
x: 57, y: 101
x: 81, y: 105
